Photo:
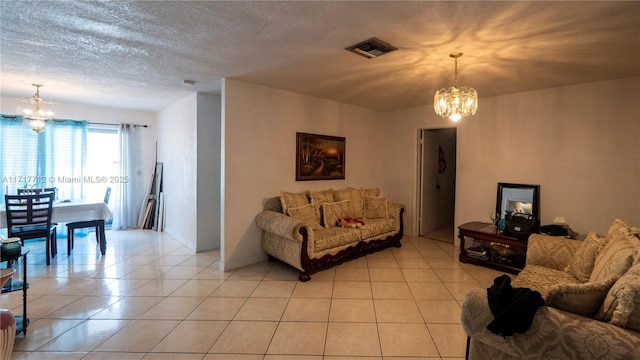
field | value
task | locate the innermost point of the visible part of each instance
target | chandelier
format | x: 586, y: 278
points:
x: 36, y: 115
x: 454, y: 103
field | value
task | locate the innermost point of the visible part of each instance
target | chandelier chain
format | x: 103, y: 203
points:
x: 455, y: 79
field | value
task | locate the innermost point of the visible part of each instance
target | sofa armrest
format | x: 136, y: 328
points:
x: 554, y: 334
x: 551, y: 251
x: 281, y: 225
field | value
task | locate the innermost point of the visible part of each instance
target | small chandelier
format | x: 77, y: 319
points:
x: 455, y: 102
x: 37, y: 116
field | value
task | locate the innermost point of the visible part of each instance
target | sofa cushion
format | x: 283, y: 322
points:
x: 333, y: 211
x: 331, y: 238
x: 582, y: 299
x: 371, y: 192
x: 617, y: 225
x: 318, y: 198
x: 622, y: 305
x: 542, y: 279
x: 375, y: 207
x: 617, y: 256
x: 305, y: 214
x: 375, y: 227
x: 288, y: 200
x: 356, y: 198
x: 581, y: 265
x: 551, y: 251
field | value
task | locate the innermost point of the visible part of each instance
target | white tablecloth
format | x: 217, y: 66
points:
x: 75, y: 210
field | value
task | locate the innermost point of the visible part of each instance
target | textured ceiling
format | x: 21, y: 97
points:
x: 136, y: 54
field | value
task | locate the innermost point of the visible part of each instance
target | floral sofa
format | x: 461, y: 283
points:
x: 592, y: 293
x: 302, y: 229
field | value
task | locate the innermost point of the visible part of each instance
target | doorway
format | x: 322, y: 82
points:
x: 437, y: 183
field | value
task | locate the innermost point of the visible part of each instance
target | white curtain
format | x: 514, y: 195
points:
x: 124, y: 217
x: 55, y: 157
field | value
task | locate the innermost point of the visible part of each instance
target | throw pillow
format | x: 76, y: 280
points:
x: 617, y: 225
x: 356, y: 201
x: 581, y: 299
x: 306, y: 215
x: 331, y: 212
x: 581, y: 265
x: 617, y: 256
x: 371, y: 192
x: 621, y: 307
x: 318, y: 198
x: 375, y: 207
x: 292, y: 200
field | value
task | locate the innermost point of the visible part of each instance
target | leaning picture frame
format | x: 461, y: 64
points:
x: 320, y: 157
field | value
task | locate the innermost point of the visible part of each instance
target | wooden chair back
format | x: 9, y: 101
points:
x: 28, y: 211
x: 39, y: 191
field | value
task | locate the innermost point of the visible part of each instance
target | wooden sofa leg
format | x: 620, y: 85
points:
x: 304, y: 277
x: 466, y: 354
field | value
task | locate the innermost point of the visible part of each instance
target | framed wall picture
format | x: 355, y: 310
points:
x: 319, y: 157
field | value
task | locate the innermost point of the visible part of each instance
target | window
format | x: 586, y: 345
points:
x: 102, y: 159
x: 55, y: 157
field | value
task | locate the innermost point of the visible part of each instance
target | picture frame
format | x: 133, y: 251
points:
x: 320, y: 157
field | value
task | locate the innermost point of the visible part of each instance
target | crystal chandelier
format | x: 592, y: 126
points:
x: 37, y: 116
x: 455, y: 102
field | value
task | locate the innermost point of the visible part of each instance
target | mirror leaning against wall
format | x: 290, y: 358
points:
x: 518, y: 198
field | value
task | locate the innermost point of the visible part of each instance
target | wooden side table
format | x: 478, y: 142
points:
x: 22, y: 322
x: 490, y: 239
x: 7, y: 321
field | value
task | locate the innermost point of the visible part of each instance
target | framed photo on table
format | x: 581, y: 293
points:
x: 320, y: 157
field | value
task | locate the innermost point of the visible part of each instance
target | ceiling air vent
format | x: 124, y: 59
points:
x: 371, y: 48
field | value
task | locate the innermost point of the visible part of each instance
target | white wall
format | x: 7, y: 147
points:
x: 401, y: 129
x: 189, y: 148
x: 260, y: 126
x: 144, y: 153
x: 579, y: 143
x: 209, y: 172
x: 177, y: 150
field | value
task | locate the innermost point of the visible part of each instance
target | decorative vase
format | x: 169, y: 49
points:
x: 502, y: 223
x: 7, y: 333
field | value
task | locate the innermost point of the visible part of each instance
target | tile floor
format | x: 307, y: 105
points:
x: 152, y: 298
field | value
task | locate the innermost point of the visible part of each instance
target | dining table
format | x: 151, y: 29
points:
x: 72, y: 211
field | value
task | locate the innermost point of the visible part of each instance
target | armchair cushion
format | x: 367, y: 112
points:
x: 581, y: 265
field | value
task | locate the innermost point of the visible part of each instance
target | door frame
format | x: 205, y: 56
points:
x: 419, y: 178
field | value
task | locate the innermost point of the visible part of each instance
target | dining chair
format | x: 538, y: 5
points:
x: 97, y: 224
x: 39, y: 191
x: 29, y: 217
